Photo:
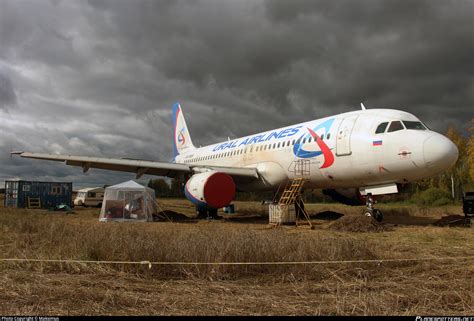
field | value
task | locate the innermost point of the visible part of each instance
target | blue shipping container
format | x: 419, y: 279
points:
x: 50, y: 194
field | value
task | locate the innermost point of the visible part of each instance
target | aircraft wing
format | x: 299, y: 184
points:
x: 141, y: 167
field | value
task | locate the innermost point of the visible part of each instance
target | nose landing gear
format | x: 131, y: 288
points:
x: 376, y: 214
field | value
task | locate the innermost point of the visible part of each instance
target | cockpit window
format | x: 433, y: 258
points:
x: 394, y: 126
x: 381, y: 128
x: 414, y: 125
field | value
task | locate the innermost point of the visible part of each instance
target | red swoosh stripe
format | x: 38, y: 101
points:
x: 328, y: 156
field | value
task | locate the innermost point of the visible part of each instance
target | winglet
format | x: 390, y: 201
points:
x: 362, y: 106
x: 15, y: 152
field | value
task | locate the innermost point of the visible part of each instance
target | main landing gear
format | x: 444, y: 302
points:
x: 207, y: 213
x: 376, y: 214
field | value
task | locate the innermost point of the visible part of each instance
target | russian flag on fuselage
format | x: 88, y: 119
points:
x: 377, y: 143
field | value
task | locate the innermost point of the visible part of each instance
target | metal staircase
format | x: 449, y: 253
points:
x: 292, y: 191
x: 291, y: 195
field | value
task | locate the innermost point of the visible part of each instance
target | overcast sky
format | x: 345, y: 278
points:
x: 99, y: 77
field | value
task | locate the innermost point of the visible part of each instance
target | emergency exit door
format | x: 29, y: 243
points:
x: 343, y: 140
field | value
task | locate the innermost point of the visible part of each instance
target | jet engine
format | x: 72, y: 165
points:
x: 210, y: 189
x: 347, y: 196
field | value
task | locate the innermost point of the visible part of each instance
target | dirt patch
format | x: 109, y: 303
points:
x: 327, y: 216
x: 453, y: 220
x: 359, y: 224
x: 172, y: 215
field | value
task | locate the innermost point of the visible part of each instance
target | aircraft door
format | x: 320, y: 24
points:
x: 343, y: 139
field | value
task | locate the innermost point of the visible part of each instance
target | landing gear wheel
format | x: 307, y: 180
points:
x: 369, y: 212
x: 377, y: 215
x: 212, y: 214
x: 201, y: 212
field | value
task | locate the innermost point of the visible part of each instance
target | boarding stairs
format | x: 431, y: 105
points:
x: 291, y: 194
x: 292, y: 191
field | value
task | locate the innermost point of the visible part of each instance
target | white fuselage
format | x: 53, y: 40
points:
x: 341, y: 151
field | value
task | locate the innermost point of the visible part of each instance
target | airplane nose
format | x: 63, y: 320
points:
x: 440, y: 152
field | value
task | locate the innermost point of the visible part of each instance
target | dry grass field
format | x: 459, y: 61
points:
x: 385, y: 288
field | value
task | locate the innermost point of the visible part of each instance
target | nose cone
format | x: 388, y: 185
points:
x: 440, y: 153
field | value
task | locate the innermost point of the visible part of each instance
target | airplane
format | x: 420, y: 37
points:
x: 352, y: 157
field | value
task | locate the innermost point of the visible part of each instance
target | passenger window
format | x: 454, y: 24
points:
x: 328, y: 136
x: 395, y: 126
x: 381, y: 128
x: 322, y: 137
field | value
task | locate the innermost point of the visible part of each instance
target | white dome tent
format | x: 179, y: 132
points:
x: 128, y: 201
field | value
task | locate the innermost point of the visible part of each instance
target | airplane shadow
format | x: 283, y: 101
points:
x: 326, y: 216
x: 403, y: 217
x: 395, y: 217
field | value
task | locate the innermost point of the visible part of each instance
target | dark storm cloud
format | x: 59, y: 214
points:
x: 7, y: 93
x: 99, y: 77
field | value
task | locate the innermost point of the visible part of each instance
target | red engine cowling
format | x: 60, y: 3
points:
x: 210, y: 189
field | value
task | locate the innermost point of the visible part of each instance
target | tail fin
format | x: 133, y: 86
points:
x: 181, y: 139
